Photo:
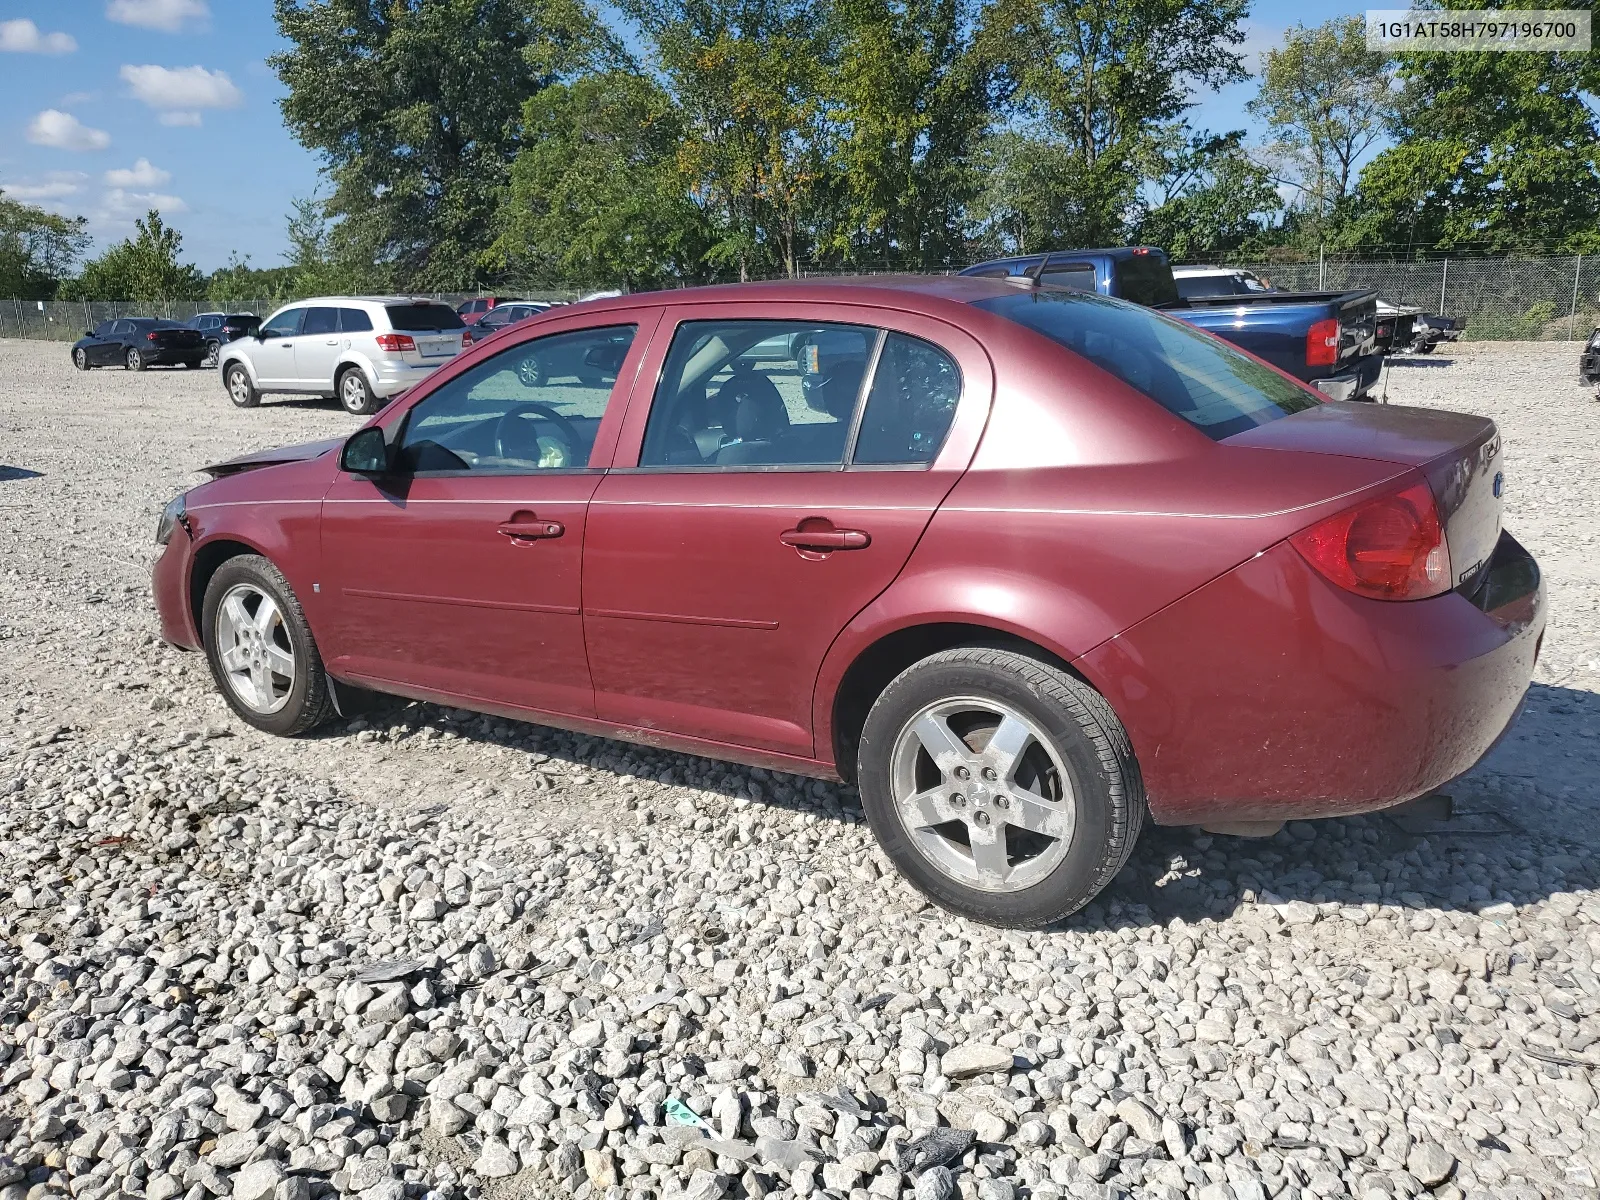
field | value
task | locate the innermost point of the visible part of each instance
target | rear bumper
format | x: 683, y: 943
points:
x: 1271, y: 694
x: 1353, y: 383
x: 168, y: 355
x: 392, y: 378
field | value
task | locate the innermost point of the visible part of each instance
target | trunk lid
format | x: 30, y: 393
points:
x: 1458, y: 454
x: 175, y: 339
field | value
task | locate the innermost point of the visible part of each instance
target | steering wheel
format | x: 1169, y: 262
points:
x: 514, y: 435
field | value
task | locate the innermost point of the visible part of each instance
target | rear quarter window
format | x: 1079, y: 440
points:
x: 423, y: 318
x: 1204, y: 381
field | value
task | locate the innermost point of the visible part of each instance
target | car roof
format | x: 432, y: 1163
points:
x: 1198, y: 269
x: 347, y: 300
x: 926, y: 293
x: 1113, y: 252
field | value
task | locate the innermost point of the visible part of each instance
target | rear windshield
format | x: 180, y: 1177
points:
x: 1192, y: 286
x: 423, y: 318
x: 247, y: 319
x: 1146, y: 279
x: 1215, y: 388
x: 155, y: 323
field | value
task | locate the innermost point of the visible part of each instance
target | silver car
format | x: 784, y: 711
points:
x: 360, y: 349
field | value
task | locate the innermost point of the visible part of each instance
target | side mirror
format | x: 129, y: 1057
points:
x: 365, y: 453
x: 88, y: 333
x: 263, y: 334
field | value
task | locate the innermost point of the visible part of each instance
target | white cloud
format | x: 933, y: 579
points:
x: 170, y: 16
x: 120, y: 204
x: 143, y: 174
x: 57, y: 185
x: 23, y: 37
x: 178, y: 92
x: 64, y: 131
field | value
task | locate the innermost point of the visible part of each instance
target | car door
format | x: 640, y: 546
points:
x: 761, y: 514
x: 101, y: 347
x: 273, y: 355
x: 460, y: 574
x: 316, y: 348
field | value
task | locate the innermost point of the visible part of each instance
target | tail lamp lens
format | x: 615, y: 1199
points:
x: 466, y: 338
x: 150, y: 337
x: 1322, y: 343
x: 1391, y: 548
x: 394, y: 342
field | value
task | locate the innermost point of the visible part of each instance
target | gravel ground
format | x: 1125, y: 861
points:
x: 443, y: 955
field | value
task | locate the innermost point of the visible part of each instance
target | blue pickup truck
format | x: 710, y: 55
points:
x: 1326, y: 339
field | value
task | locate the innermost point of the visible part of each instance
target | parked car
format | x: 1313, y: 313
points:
x: 361, y: 349
x: 1398, y: 327
x: 472, y: 311
x: 1323, y: 338
x: 1062, y: 562
x: 1589, y: 361
x: 137, y: 343
x: 220, y: 328
x: 502, y: 315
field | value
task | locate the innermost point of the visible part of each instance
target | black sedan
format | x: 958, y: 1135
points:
x: 137, y: 343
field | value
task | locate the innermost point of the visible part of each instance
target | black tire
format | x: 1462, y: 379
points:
x: 531, y: 372
x: 355, y: 393
x: 309, y: 701
x: 212, y: 350
x: 133, y: 359
x: 80, y: 359
x: 1107, y: 793
x: 236, y: 380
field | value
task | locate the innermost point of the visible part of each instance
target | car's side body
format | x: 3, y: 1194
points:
x: 305, y: 348
x: 1063, y: 513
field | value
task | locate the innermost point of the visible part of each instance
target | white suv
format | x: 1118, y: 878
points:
x: 362, y: 349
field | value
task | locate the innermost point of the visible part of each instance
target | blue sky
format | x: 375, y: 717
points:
x: 111, y: 107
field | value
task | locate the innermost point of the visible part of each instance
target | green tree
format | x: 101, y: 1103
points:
x: 37, y: 249
x: 1090, y: 83
x: 597, y: 197
x: 1326, y: 100
x: 143, y: 267
x: 237, y: 283
x: 415, y: 107
x: 1207, y: 198
x: 1496, y: 152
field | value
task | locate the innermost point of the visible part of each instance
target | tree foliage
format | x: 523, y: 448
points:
x: 415, y: 105
x: 146, y: 266
x: 1326, y: 100
x: 1209, y: 199
x: 37, y: 249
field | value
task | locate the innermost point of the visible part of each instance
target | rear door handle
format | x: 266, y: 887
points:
x: 826, y: 539
x: 532, y: 531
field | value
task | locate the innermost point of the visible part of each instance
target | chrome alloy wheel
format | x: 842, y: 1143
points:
x: 254, y: 648
x: 984, y: 795
x: 239, y: 386
x: 353, y: 392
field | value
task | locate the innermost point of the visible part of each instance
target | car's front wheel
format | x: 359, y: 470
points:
x: 240, y: 390
x: 134, y: 359
x: 1003, y: 788
x: 260, y: 648
x: 80, y: 359
x: 355, y: 394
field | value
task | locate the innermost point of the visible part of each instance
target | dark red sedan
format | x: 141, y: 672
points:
x: 1025, y: 564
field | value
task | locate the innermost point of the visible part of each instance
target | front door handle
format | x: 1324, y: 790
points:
x: 532, y: 531
x: 826, y: 539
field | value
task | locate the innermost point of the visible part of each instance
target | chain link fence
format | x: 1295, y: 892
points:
x: 1497, y: 299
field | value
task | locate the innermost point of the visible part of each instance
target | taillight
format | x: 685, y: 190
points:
x: 1322, y: 343
x: 466, y: 338
x: 150, y: 337
x: 1391, y: 548
x: 395, y: 342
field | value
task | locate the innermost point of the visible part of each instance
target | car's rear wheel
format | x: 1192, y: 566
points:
x: 240, y: 390
x: 212, y: 350
x: 355, y: 394
x: 260, y: 648
x: 134, y: 359
x: 1003, y: 788
x: 80, y: 359
x: 531, y: 372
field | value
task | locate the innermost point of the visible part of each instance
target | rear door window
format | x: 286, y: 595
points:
x: 423, y: 318
x: 321, y: 320
x: 915, y: 389
x: 1194, y: 376
x: 1077, y: 276
x: 1146, y: 279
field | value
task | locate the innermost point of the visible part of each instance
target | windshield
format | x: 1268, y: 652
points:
x: 1215, y: 388
x: 423, y: 318
x: 1193, y: 286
